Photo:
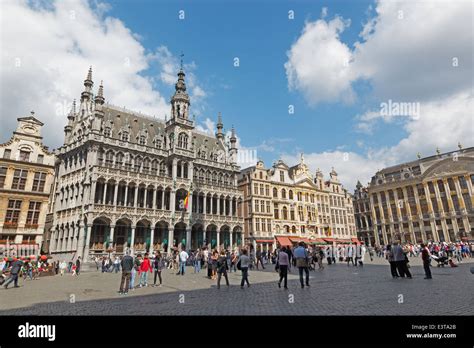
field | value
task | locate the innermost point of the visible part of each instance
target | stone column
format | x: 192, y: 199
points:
x: 231, y: 240
x: 115, y: 198
x: 173, y: 200
x: 218, y: 240
x: 163, y: 199
x: 212, y: 204
x: 111, y: 237
x: 145, y: 197
x: 94, y: 184
x: 188, y: 238
x: 132, y: 241
x: 88, y: 240
x: 153, y: 204
x: 462, y: 204
x: 174, y: 170
x: 135, y: 200
x: 125, y: 202
x: 190, y: 204
x: 203, y: 236
x: 219, y: 205
x: 170, y: 237
x: 152, y: 238
x: 204, y: 203
x: 105, y: 193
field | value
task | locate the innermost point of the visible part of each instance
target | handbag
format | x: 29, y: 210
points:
x: 300, y: 262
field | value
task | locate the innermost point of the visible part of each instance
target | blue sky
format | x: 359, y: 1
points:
x: 336, y: 62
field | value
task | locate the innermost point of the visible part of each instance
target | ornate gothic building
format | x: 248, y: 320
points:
x: 122, y: 180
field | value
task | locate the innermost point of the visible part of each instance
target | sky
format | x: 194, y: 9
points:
x: 355, y: 85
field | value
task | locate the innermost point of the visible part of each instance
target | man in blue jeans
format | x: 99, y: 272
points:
x: 183, y: 257
x: 301, y: 257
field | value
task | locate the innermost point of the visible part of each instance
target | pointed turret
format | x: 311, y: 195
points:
x: 180, y: 101
x: 99, y: 98
x: 88, y: 83
x: 220, y: 127
x: 233, y: 146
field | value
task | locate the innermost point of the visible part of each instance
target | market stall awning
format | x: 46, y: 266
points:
x: 299, y: 239
x: 264, y: 241
x: 283, y: 241
x: 329, y: 239
x: 343, y: 241
x: 355, y: 240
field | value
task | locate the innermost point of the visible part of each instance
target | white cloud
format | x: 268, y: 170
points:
x: 318, y: 62
x: 208, y: 127
x: 47, y: 48
x: 406, y: 52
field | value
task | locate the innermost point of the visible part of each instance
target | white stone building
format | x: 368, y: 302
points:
x: 122, y: 180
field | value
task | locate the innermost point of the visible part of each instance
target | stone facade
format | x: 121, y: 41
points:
x: 289, y: 202
x: 122, y: 181
x: 26, y: 177
x: 430, y: 199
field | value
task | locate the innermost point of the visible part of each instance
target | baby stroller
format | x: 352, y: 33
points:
x: 441, y: 261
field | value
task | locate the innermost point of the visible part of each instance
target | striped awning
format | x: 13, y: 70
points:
x: 283, y: 241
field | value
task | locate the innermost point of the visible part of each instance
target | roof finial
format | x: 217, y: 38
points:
x: 32, y: 113
x: 89, y: 74
x: 181, y: 55
x: 460, y: 145
x: 418, y: 155
x: 438, y: 151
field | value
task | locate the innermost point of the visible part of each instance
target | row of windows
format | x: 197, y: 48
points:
x: 14, y: 209
x: 19, y: 180
x: 263, y: 225
x: 24, y: 156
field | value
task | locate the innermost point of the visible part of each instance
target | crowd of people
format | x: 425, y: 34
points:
x: 31, y: 268
x: 136, y: 269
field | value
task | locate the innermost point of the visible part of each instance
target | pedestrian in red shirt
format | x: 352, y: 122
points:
x: 145, y: 267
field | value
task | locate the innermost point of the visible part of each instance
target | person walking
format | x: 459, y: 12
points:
x: 117, y: 264
x: 259, y: 258
x: 426, y: 256
x: 197, y: 261
x: 283, y: 262
x: 135, y: 269
x: 78, y: 265
x: 62, y: 267
x: 400, y: 260
x: 301, y: 257
x: 320, y: 258
x: 158, y: 265
x: 350, y: 255
x: 243, y: 265
x: 127, y: 267
x: 183, y: 257
x: 214, y: 258
x: 391, y: 261
x: 14, y: 271
x: 233, y: 261
x: 222, y: 267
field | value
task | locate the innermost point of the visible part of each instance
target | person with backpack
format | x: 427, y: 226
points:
x: 127, y: 267
x: 135, y: 269
x: 158, y: 265
x: 222, y: 267
x: 14, y: 271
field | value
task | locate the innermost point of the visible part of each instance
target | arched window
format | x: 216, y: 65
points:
x: 275, y: 193
x: 109, y: 158
x: 162, y: 168
x: 283, y: 193
x: 285, y: 213
x: 138, y: 163
x: 290, y: 194
x: 146, y: 164
x: 119, y: 159
x: 154, y: 166
x: 100, y: 157
x: 183, y: 140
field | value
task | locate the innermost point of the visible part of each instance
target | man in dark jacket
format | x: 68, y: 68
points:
x: 425, y: 256
x: 78, y: 265
x: 127, y: 265
x: 15, y: 269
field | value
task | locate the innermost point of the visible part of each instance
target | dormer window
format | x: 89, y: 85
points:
x: 124, y: 136
x: 142, y: 140
x: 24, y: 156
x: 107, y: 131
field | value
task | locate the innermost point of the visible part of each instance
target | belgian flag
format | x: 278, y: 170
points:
x: 186, y: 201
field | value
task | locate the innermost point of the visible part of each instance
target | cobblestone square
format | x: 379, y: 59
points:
x: 336, y: 290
